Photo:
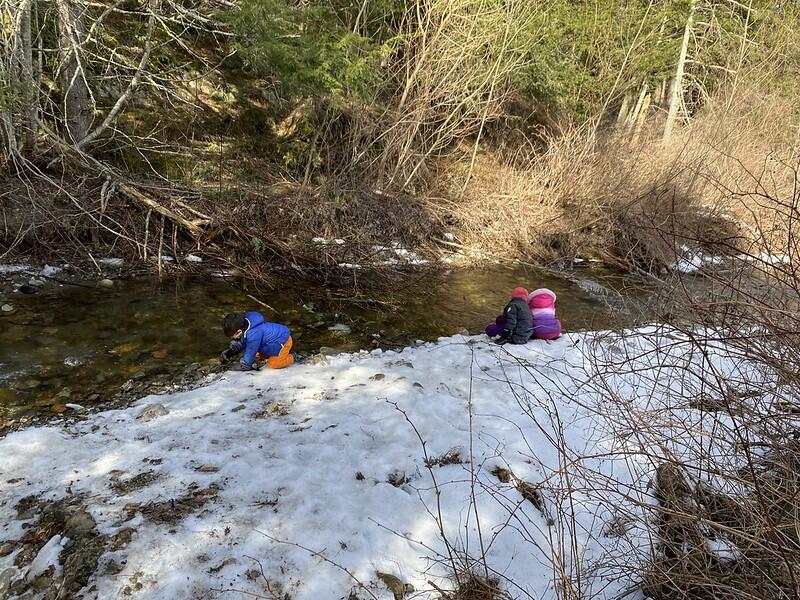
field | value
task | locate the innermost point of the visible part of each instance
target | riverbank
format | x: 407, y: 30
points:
x: 361, y: 476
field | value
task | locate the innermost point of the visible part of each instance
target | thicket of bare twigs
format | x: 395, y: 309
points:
x: 691, y: 450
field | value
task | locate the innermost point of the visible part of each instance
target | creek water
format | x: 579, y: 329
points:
x: 79, y: 345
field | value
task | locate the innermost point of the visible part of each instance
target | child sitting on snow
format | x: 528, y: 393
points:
x: 515, y: 325
x: 542, y: 303
x: 259, y: 339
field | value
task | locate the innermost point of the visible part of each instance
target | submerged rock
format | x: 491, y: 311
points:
x: 73, y: 361
x: 28, y: 384
x: 107, y: 283
x: 340, y: 328
x: 7, y: 308
x: 152, y: 411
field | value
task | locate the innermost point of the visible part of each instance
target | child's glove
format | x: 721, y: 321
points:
x: 504, y: 335
x: 240, y: 366
x: 232, y: 351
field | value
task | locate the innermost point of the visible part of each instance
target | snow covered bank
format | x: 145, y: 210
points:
x: 317, y: 475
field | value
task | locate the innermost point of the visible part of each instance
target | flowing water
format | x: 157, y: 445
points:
x: 80, y: 345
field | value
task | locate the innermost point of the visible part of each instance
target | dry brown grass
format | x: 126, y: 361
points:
x: 631, y: 202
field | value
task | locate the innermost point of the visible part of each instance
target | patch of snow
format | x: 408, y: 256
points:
x: 8, y: 269
x: 112, y: 261
x: 319, y: 240
x: 349, y: 266
x: 47, y: 556
x: 692, y: 261
x: 449, y: 237
x: 724, y: 549
x: 339, y: 242
x: 50, y: 271
x: 322, y: 456
x: 193, y: 258
x: 770, y: 259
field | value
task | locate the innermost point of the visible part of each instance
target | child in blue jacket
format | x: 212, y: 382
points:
x: 259, y: 339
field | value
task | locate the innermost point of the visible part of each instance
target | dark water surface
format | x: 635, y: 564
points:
x: 73, y: 344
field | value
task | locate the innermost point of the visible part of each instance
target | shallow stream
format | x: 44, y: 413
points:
x: 80, y: 345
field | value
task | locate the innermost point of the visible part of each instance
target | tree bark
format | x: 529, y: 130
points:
x: 622, y: 115
x: 633, y: 115
x: 29, y: 83
x: 74, y: 86
x: 641, y: 118
x: 676, y: 98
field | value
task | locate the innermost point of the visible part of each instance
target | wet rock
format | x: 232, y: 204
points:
x: 152, y: 411
x: 378, y: 377
x: 159, y: 354
x: 26, y: 288
x: 58, y: 409
x: 7, y: 308
x: 6, y: 549
x: 327, y: 351
x: 36, y: 282
x: 463, y: 331
x: 106, y: 283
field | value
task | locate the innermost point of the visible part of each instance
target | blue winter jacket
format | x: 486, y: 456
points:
x: 261, y: 336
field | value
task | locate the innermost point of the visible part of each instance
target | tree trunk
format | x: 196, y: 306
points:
x: 641, y: 119
x: 30, y: 85
x: 637, y: 109
x: 676, y: 98
x: 622, y: 115
x: 74, y: 87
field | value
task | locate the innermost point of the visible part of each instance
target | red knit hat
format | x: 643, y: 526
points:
x: 520, y: 293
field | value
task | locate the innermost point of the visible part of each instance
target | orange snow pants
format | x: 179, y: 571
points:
x: 283, y: 359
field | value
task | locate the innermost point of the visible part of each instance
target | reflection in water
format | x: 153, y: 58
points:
x: 78, y: 344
